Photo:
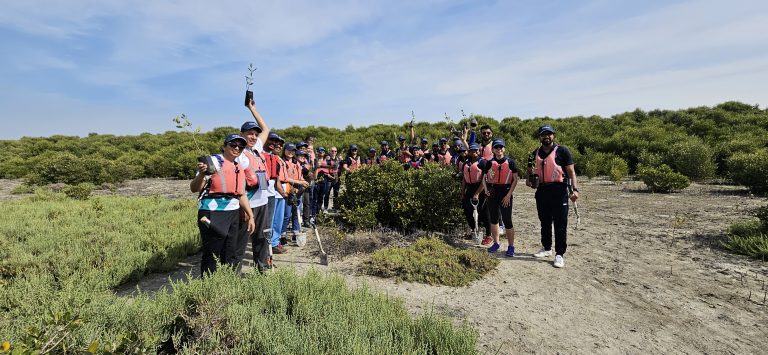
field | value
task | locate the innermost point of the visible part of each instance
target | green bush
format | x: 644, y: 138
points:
x: 618, y: 169
x: 649, y: 159
x: 662, y: 179
x: 432, y: 261
x: 80, y: 191
x: 750, y: 237
x: 23, y: 189
x: 426, y: 198
x: 692, y: 158
x: 750, y: 170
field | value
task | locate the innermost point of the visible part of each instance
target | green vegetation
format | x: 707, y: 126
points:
x: 394, y: 197
x: 750, y: 237
x: 60, y: 259
x: 662, y: 179
x: 430, y: 260
x: 729, y: 140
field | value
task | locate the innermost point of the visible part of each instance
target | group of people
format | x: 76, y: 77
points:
x: 260, y: 187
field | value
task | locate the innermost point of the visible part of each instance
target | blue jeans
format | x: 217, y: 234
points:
x: 277, y: 221
x: 292, y: 216
x: 317, y: 197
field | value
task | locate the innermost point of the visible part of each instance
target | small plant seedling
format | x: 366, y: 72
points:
x: 249, y: 77
x: 413, y: 118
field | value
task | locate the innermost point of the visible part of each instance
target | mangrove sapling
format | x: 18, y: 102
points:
x: 182, y: 122
x: 248, y: 83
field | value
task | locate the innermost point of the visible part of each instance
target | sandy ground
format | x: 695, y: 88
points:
x: 643, y: 275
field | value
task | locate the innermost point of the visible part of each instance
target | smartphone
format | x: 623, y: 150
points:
x: 248, y: 97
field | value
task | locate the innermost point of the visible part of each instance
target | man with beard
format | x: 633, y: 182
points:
x: 386, y: 153
x: 554, y: 167
x: 486, y: 138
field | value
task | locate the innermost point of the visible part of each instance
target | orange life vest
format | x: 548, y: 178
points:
x: 547, y: 168
x: 444, y: 159
x: 256, y: 164
x: 355, y: 163
x: 486, y: 151
x: 472, y: 172
x: 228, y: 179
x: 500, y: 173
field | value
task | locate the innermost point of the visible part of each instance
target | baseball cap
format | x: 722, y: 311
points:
x: 372, y: 150
x: 353, y: 147
x: 443, y: 140
x: 474, y: 146
x: 290, y: 146
x: 276, y: 137
x: 302, y: 144
x: 400, y: 138
x: 461, y: 147
x: 424, y: 140
x: 301, y: 152
x: 546, y: 128
x: 384, y: 143
x: 233, y: 137
x: 250, y: 125
x: 321, y: 149
x: 498, y: 142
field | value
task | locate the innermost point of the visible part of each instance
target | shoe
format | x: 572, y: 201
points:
x: 543, y: 253
x: 510, y: 251
x: 559, y: 261
x: 487, y: 241
x: 283, y: 240
x: 279, y: 249
x: 494, y: 248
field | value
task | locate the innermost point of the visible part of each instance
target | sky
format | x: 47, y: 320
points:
x: 127, y: 67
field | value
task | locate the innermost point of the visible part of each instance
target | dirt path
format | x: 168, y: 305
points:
x: 642, y: 275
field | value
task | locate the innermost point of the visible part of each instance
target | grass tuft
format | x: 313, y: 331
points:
x: 431, y: 261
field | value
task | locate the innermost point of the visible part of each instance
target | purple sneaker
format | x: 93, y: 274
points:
x: 510, y: 251
x: 494, y: 248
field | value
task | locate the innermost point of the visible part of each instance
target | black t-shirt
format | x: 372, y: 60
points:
x: 348, y: 161
x: 563, y: 156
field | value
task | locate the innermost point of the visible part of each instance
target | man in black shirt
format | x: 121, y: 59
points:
x: 550, y: 174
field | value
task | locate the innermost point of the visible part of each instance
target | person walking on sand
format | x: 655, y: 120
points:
x: 554, y: 168
x: 500, y: 181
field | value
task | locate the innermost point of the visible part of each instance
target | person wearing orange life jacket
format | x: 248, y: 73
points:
x: 296, y: 185
x: 385, y: 153
x: 486, y: 140
x: 308, y: 174
x: 472, y: 190
x: 443, y: 155
x: 417, y: 160
x: 332, y: 181
x: 276, y: 203
x: 501, y: 176
x: 222, y: 198
x: 372, y: 159
x: 257, y: 184
x: 554, y: 167
x: 321, y: 170
x: 352, y: 162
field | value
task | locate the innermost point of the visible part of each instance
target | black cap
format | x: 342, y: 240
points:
x: 546, y: 128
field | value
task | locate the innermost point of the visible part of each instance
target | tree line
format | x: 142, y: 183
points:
x: 726, y: 141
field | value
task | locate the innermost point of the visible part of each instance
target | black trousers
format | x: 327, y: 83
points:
x: 495, y: 209
x: 219, y: 239
x: 259, y: 239
x: 482, y: 208
x: 552, y: 207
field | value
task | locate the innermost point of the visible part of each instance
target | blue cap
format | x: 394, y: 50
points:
x: 233, y: 137
x: 546, y: 128
x: 250, y: 125
x: 461, y: 147
x: 301, y: 152
x: 353, y: 147
x: 276, y: 137
x: 302, y: 144
x: 290, y: 146
x: 401, y: 137
x: 321, y: 149
x: 443, y: 140
x: 372, y: 150
x: 474, y: 146
x: 498, y: 142
x: 424, y: 140
x: 435, y: 144
x: 384, y: 143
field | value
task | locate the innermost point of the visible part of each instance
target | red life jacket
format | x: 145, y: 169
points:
x: 255, y: 164
x: 333, y: 165
x: 272, y: 162
x: 486, y: 151
x: 282, y: 175
x: 444, y: 159
x: 355, y: 164
x: 416, y: 164
x: 472, y: 172
x: 228, y: 179
x: 547, y: 168
x: 500, y: 173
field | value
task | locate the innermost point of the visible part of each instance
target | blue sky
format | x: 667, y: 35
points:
x: 126, y: 67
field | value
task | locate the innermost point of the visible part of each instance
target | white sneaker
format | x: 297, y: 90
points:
x: 559, y: 261
x: 543, y: 253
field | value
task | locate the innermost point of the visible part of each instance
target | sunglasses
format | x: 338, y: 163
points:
x: 236, y: 146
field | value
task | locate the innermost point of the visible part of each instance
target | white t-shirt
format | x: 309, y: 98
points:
x: 256, y: 197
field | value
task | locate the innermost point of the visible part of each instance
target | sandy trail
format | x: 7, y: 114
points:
x: 643, y: 275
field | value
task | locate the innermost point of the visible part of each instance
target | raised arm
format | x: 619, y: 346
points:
x: 260, y: 120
